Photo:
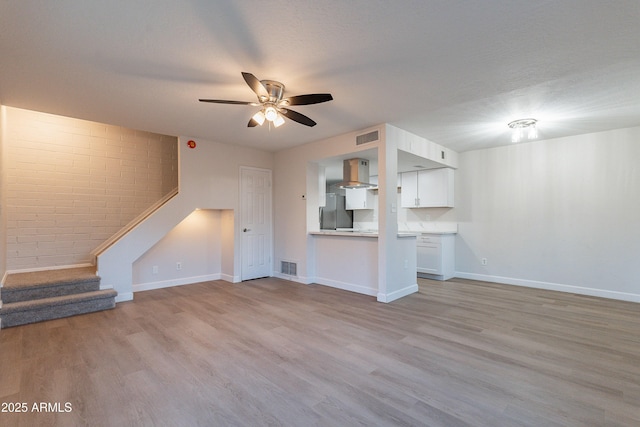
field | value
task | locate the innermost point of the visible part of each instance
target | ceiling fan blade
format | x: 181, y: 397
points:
x: 297, y: 117
x: 314, y: 98
x: 222, y: 101
x: 256, y: 86
x: 252, y: 123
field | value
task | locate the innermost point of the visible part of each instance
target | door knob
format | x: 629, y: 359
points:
x: 246, y: 229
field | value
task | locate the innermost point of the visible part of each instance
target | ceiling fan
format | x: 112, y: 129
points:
x: 274, y: 106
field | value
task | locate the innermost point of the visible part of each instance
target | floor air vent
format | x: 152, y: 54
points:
x: 367, y: 137
x: 289, y: 268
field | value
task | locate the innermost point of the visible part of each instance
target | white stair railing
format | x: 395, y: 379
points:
x: 132, y: 224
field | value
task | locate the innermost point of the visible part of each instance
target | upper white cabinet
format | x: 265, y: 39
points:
x: 410, y: 143
x: 431, y: 188
x: 409, y: 190
x: 359, y: 198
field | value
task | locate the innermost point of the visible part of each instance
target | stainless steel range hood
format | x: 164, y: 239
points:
x: 355, y: 174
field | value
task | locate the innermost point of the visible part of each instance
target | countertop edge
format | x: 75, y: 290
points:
x: 358, y: 234
x: 434, y: 232
x: 342, y: 233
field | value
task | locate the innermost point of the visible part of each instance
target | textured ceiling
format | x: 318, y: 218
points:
x: 454, y: 72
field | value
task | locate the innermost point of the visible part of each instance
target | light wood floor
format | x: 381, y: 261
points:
x: 272, y: 352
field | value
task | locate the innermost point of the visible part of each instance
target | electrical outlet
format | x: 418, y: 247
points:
x: 406, y: 263
x: 484, y: 261
x: 179, y: 265
x: 155, y: 269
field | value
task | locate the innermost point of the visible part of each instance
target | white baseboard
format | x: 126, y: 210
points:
x: 139, y: 287
x: 124, y: 297
x: 603, y: 293
x: 398, y: 294
x: 353, y: 287
x: 297, y: 279
x: 347, y: 286
x: 230, y: 278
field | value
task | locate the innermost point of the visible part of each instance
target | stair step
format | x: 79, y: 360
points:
x: 24, y: 312
x: 48, y: 284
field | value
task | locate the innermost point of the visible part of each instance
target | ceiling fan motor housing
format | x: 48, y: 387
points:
x: 274, y: 89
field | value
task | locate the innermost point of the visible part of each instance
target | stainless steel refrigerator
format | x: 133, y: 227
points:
x: 333, y: 215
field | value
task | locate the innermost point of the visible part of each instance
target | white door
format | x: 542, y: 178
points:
x: 255, y: 222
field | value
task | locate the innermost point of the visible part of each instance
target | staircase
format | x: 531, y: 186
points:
x: 54, y: 294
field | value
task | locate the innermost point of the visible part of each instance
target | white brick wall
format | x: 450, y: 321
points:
x: 71, y: 184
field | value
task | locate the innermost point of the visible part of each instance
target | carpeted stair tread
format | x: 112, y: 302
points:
x: 57, y: 301
x: 48, y: 284
x: 51, y: 277
x: 53, y: 294
x: 24, y: 312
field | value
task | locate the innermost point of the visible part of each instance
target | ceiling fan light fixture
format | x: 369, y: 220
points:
x: 279, y: 120
x: 519, y: 127
x: 259, y: 117
x: 271, y: 113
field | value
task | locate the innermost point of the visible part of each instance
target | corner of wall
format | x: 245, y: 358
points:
x: 3, y: 217
x: 227, y: 233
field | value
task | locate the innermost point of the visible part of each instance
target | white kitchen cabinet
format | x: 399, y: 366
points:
x: 436, y: 256
x: 409, y: 191
x: 359, y: 198
x: 322, y: 186
x: 430, y: 188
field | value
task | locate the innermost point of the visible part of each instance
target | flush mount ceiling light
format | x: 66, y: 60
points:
x: 520, y: 126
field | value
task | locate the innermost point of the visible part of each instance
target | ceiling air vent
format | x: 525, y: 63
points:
x: 367, y: 138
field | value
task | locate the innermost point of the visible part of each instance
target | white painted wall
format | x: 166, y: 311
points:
x: 228, y: 251
x: 335, y: 266
x: 3, y: 215
x: 195, y: 243
x: 397, y: 273
x: 294, y: 177
x: 296, y: 202
x: 558, y: 214
x: 209, y: 178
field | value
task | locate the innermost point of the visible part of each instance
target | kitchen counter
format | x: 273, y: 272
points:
x: 435, y: 232
x: 429, y: 227
x: 348, y: 260
x: 360, y: 233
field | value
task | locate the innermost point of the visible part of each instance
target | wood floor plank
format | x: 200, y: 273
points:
x: 273, y: 352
